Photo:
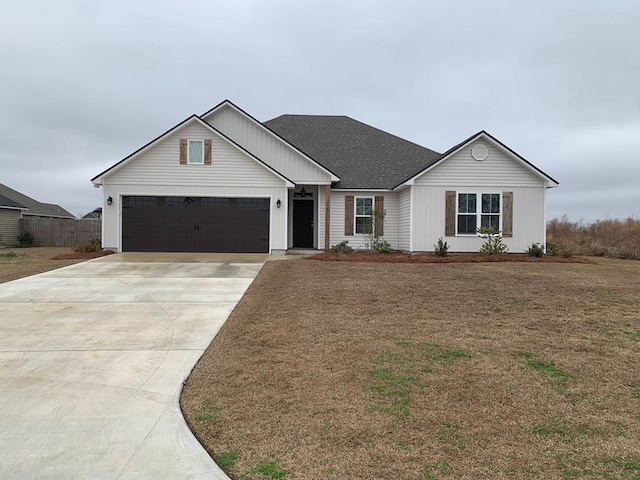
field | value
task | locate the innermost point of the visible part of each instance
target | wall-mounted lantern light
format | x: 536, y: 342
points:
x: 109, y: 201
x: 278, y: 203
x: 303, y: 192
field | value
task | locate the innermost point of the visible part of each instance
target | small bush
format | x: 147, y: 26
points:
x: 493, y: 244
x: 93, y: 245
x: 342, y: 247
x: 25, y: 239
x: 441, y: 248
x: 380, y: 246
x: 555, y: 248
x: 535, y: 250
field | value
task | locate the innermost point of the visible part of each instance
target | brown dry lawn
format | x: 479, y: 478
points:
x: 21, y: 262
x: 332, y: 370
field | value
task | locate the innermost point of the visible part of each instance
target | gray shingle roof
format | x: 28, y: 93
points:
x: 361, y: 155
x: 34, y: 207
x: 7, y: 202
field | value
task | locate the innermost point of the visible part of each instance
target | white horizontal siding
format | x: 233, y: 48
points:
x: 497, y: 169
x: 404, y: 219
x: 9, y: 226
x: 160, y: 165
x: 429, y: 218
x: 358, y: 241
x: 263, y: 145
x: 112, y: 214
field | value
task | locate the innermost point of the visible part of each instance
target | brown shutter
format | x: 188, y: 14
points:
x: 207, y: 152
x: 379, y: 219
x: 183, y: 151
x: 507, y: 214
x: 450, y: 214
x: 348, y: 215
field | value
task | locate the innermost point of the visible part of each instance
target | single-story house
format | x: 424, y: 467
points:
x: 15, y: 205
x: 225, y: 182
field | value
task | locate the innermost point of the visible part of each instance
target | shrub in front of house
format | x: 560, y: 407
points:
x: 441, y: 248
x: 342, y: 247
x: 493, y: 244
x: 535, y: 250
x: 93, y: 245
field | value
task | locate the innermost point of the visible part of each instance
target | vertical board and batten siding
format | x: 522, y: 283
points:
x: 338, y: 218
x: 404, y: 219
x: 429, y: 218
x: 157, y: 172
x: 497, y: 173
x: 9, y: 226
x: 266, y: 147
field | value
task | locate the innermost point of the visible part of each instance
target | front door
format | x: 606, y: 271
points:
x: 303, y: 223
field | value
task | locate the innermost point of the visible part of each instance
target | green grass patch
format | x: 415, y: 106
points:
x: 209, y: 412
x: 635, y: 334
x: 632, y: 466
x: 8, y: 255
x: 548, y: 368
x: 396, y: 374
x: 270, y: 469
x: 226, y: 460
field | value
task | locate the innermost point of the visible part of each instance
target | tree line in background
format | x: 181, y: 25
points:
x: 603, y: 238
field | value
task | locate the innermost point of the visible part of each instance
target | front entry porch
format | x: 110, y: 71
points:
x: 308, y: 218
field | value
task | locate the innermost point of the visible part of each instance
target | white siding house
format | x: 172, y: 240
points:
x: 226, y: 182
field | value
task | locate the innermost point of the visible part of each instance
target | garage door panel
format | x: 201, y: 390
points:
x: 193, y: 224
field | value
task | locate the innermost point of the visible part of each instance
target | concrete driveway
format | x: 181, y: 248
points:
x: 92, y: 359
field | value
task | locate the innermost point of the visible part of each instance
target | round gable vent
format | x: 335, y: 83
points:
x: 479, y: 152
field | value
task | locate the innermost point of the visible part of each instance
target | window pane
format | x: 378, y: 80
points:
x: 490, y: 203
x: 467, y: 203
x: 492, y: 221
x: 363, y: 225
x: 466, y: 224
x: 195, y: 151
x: 364, y: 206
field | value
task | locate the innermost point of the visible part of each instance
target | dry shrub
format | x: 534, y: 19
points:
x: 604, y: 238
x: 92, y: 246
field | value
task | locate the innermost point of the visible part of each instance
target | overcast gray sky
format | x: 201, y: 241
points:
x: 84, y: 83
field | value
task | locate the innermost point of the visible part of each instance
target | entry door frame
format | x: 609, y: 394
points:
x: 309, y: 205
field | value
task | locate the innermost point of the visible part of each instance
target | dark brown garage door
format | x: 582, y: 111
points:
x: 195, y: 224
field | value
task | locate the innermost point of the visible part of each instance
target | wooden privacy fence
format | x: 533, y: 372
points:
x: 60, y: 232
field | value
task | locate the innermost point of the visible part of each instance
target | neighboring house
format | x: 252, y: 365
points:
x: 10, y: 214
x: 15, y: 205
x: 225, y: 182
x: 95, y: 214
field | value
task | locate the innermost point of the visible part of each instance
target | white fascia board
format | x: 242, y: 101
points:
x: 362, y: 190
x: 228, y: 103
x: 3, y: 207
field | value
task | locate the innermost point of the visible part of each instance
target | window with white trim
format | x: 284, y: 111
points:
x: 364, y: 215
x: 470, y: 217
x: 195, y: 151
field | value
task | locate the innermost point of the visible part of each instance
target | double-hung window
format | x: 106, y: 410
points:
x: 473, y: 214
x: 195, y: 151
x: 364, y: 215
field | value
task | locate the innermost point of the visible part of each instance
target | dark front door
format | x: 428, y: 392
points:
x: 193, y: 224
x: 303, y: 223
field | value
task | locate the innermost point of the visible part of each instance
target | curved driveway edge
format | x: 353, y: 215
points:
x: 92, y: 359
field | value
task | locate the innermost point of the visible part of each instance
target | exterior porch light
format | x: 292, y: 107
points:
x: 303, y: 192
x: 109, y: 201
x: 278, y: 203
